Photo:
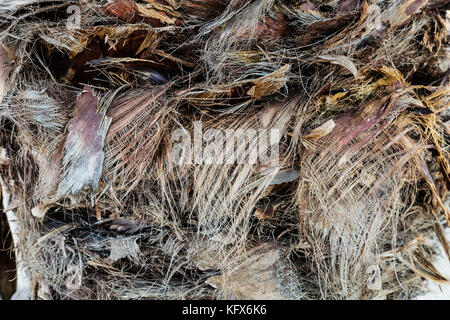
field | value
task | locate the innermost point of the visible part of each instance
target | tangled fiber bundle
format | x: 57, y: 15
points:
x: 95, y: 97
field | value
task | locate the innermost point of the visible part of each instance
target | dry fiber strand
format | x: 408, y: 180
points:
x: 95, y: 97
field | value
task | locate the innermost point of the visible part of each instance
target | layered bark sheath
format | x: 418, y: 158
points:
x: 95, y: 97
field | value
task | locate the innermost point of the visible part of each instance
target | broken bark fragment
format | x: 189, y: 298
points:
x: 83, y: 154
x: 153, y: 13
x: 356, y: 91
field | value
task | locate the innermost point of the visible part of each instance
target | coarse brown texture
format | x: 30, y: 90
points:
x: 91, y: 114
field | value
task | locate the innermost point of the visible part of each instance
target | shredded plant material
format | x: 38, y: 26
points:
x: 134, y: 164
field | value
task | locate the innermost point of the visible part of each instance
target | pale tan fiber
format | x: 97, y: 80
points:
x: 341, y: 203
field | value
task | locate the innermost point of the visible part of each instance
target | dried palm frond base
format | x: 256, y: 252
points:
x: 95, y: 94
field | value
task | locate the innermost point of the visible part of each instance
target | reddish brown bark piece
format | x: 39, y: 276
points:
x: 86, y: 121
x: 321, y: 29
x: 274, y: 27
x: 414, y: 6
x: 125, y: 10
x: 83, y: 147
x: 156, y: 14
x: 348, y: 6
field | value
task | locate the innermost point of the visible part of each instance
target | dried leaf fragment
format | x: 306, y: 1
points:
x: 427, y: 270
x: 442, y: 239
x: 429, y: 179
x: 343, y: 61
x: 321, y: 131
x: 269, y: 84
x: 285, y: 176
